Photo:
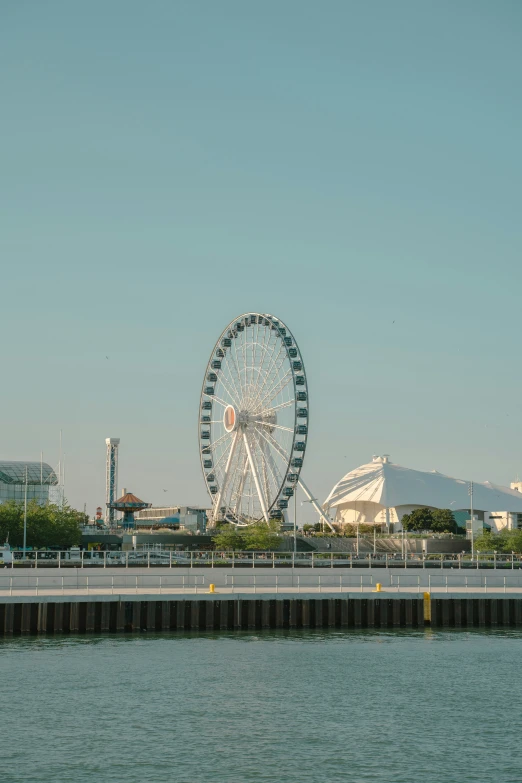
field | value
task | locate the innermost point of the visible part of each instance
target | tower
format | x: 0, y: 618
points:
x: 111, y: 478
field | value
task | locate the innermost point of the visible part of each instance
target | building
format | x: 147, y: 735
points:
x: 184, y: 518
x: 41, y: 480
x: 380, y: 493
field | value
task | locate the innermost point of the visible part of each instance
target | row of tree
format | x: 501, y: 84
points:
x: 437, y: 520
x: 47, y: 526
x: 259, y: 537
x: 506, y: 541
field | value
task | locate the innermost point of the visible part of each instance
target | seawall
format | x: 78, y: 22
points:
x: 27, y: 615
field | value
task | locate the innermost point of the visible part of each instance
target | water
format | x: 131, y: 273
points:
x: 303, y: 707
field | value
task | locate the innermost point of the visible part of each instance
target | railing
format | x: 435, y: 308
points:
x: 445, y: 583
x: 193, y: 583
x: 195, y: 559
x: 122, y: 584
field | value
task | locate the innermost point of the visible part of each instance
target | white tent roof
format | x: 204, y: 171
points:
x: 389, y: 485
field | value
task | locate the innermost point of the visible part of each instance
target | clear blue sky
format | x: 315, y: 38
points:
x: 353, y: 167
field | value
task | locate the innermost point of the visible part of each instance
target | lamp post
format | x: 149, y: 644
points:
x: 470, y: 493
x: 25, y: 512
x: 295, y: 520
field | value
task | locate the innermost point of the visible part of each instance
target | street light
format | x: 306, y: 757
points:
x: 25, y: 512
x: 295, y: 521
x: 470, y: 493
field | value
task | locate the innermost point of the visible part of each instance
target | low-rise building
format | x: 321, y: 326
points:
x: 186, y: 518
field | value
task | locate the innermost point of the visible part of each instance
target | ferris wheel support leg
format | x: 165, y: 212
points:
x: 315, y: 504
x: 227, y: 472
x: 241, y: 484
x: 256, y: 478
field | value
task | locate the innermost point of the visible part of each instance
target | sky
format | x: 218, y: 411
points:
x: 352, y: 167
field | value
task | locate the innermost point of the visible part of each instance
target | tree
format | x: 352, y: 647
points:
x: 229, y: 538
x: 419, y: 519
x: 512, y: 541
x: 443, y: 521
x: 47, y: 525
x: 262, y: 536
x: 488, y: 542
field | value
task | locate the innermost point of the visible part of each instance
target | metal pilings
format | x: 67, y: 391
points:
x: 247, y: 613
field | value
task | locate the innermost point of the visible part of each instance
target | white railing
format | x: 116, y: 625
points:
x: 195, y: 559
x: 90, y: 584
x: 171, y: 584
x: 447, y: 583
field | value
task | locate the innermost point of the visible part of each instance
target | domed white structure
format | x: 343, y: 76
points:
x: 380, y: 493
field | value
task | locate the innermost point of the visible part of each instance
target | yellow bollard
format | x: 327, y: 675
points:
x: 212, y: 588
x: 378, y: 588
x: 427, y: 607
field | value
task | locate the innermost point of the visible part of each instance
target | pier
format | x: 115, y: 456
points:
x: 109, y: 603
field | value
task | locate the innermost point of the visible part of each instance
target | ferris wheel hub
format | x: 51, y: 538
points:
x: 230, y: 418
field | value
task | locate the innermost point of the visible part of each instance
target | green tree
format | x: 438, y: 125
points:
x: 512, y: 541
x: 419, y: 519
x: 488, y: 542
x: 229, y: 538
x: 262, y: 536
x: 47, y: 525
x: 443, y: 521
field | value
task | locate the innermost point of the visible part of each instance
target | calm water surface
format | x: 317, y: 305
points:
x: 303, y: 707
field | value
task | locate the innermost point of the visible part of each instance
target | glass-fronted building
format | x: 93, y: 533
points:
x: 39, y: 476
x: 183, y: 517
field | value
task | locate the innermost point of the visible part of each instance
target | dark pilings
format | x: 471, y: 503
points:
x: 245, y: 613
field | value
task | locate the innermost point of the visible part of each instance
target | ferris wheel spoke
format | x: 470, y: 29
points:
x: 276, y: 362
x: 264, y: 347
x: 275, y: 381
x: 267, y: 350
x: 217, y: 399
x: 268, y: 411
x: 256, y: 478
x: 262, y: 375
x: 237, y: 362
x: 233, y: 396
x: 233, y: 359
x: 219, y: 462
x: 212, y: 446
x: 277, y: 388
x: 272, y: 362
x: 275, y: 445
x: 233, y: 377
x: 270, y: 426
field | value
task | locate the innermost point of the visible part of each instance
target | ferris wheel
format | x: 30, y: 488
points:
x: 253, y: 422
